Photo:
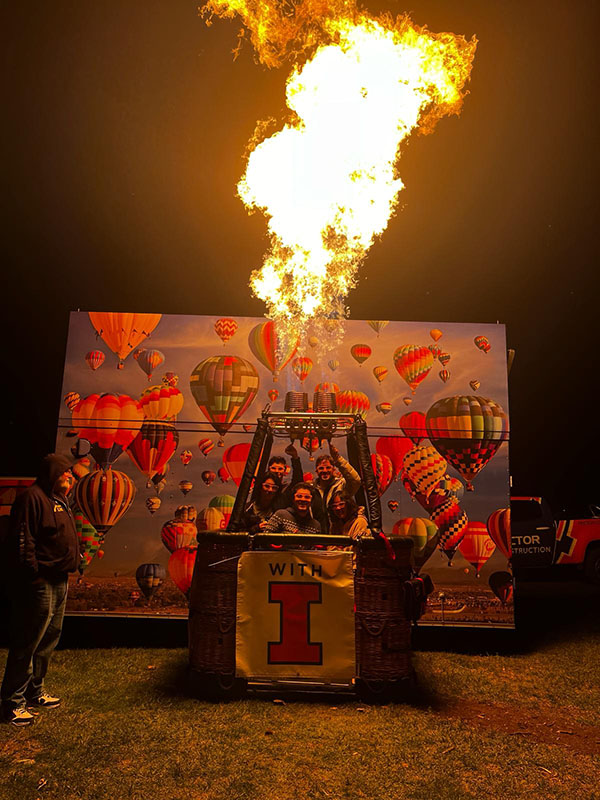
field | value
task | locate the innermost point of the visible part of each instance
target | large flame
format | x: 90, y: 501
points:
x: 327, y: 181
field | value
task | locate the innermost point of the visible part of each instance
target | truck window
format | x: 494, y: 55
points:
x: 525, y: 511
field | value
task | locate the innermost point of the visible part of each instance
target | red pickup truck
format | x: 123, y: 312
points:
x: 538, y: 540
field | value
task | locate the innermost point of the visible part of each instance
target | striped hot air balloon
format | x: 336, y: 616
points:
x: 413, y: 364
x: 444, y: 358
x: 424, y: 534
x: 360, y: 352
x: 104, y: 496
x: 185, y: 457
x: 224, y: 504
x: 178, y: 533
x: 424, y: 467
x: 380, y: 373
x: 482, y: 342
x: 325, y: 386
x: 384, y: 408
x: 224, y: 387
x: 474, y: 385
x: 153, y: 447
x: 148, y: 360
x: 350, y: 402
x: 476, y: 545
x: 153, y: 504
x: 71, y: 400
x: 271, y: 348
x: 498, y: 526
x: 377, y: 324
x: 333, y: 364
x: 210, y: 519
x: 150, y: 577
x: 206, y: 445
x: 383, y: 470
x: 467, y: 431
x: 161, y: 402
x: 225, y: 328
x: 444, y: 375
x: 123, y: 332
x: 110, y: 422
x: 95, y: 359
x: 301, y: 367
x: 185, y: 487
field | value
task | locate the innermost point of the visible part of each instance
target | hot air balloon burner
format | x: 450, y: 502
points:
x: 324, y: 402
x: 296, y: 402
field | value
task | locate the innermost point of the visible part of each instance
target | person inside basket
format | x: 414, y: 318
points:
x: 263, y: 505
x: 334, y: 474
x: 298, y: 517
x: 346, y: 518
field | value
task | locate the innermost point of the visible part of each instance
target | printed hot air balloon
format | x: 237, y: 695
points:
x: 185, y: 487
x: 153, y: 447
x: 206, y: 445
x: 153, y: 504
x: 234, y: 460
x: 436, y: 334
x: 224, y: 503
x: 380, y: 373
x: 424, y: 534
x: 223, y: 474
x: 501, y: 584
x: 186, y: 513
x: 123, y: 332
x: 435, y: 350
x: 333, y: 364
x: 384, y: 408
x: 150, y: 578
x: 444, y: 358
x: 71, y: 400
x: 476, y: 545
x: 161, y: 402
x: 467, y: 431
x: 225, y: 328
x: 350, y: 402
x: 272, y: 349
x: 110, y: 423
x: 208, y: 476
x: 377, y: 324
x: 482, y: 342
x: 181, y: 568
x: 383, y: 471
x: 452, y: 522
x: 273, y: 394
x: 210, y: 519
x: 424, y: 467
x: 413, y: 426
x: 407, y: 400
x: 95, y: 359
x: 178, y: 533
x: 395, y: 447
x: 149, y: 360
x: 413, y: 364
x: 185, y: 457
x: 301, y: 367
x: 498, y: 526
x: 393, y: 505
x: 104, y: 496
x: 90, y: 541
x: 224, y: 387
x: 170, y: 379
x: 474, y: 385
x: 360, y: 352
x: 444, y: 375
x: 325, y: 386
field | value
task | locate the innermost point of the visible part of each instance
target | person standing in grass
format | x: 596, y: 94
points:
x: 42, y: 548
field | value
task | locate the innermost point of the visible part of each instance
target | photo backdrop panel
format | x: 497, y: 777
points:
x: 169, y: 405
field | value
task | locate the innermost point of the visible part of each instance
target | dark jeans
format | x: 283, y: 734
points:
x: 37, y: 611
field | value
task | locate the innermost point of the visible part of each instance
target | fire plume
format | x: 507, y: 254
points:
x: 327, y: 181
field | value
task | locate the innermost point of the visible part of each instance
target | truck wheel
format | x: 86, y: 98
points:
x: 592, y: 564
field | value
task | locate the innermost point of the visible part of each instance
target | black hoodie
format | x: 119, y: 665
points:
x: 42, y: 537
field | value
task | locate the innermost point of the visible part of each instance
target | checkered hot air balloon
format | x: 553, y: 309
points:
x: 90, y: 541
x: 452, y: 523
x: 225, y: 328
x: 467, y: 431
x: 224, y: 387
x: 424, y: 467
x: 413, y: 364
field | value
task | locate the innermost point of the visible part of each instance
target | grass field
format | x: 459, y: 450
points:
x: 519, y: 723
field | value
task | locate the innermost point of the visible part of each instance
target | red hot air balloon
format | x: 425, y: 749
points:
x: 104, y: 496
x: 153, y: 447
x: 273, y: 395
x: 225, y: 328
x: 178, y: 533
x: 413, y: 364
x: 482, y: 342
x: 395, y: 447
x: 452, y: 523
x: 185, y: 457
x: 384, y: 472
x: 223, y: 474
x: 110, y: 422
x: 360, y: 352
x: 301, y: 367
x: 234, y: 460
x: 476, y: 545
x: 413, y: 425
x: 95, y: 359
x: 206, y: 445
x: 181, y: 568
x: 271, y: 348
x: 501, y: 584
x: 498, y: 526
x: 208, y: 476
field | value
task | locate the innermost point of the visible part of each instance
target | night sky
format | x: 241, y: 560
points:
x: 125, y: 126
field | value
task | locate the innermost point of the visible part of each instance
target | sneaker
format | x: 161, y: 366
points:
x: 45, y: 700
x: 19, y: 717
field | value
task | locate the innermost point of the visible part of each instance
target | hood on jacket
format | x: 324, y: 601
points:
x: 51, y: 468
